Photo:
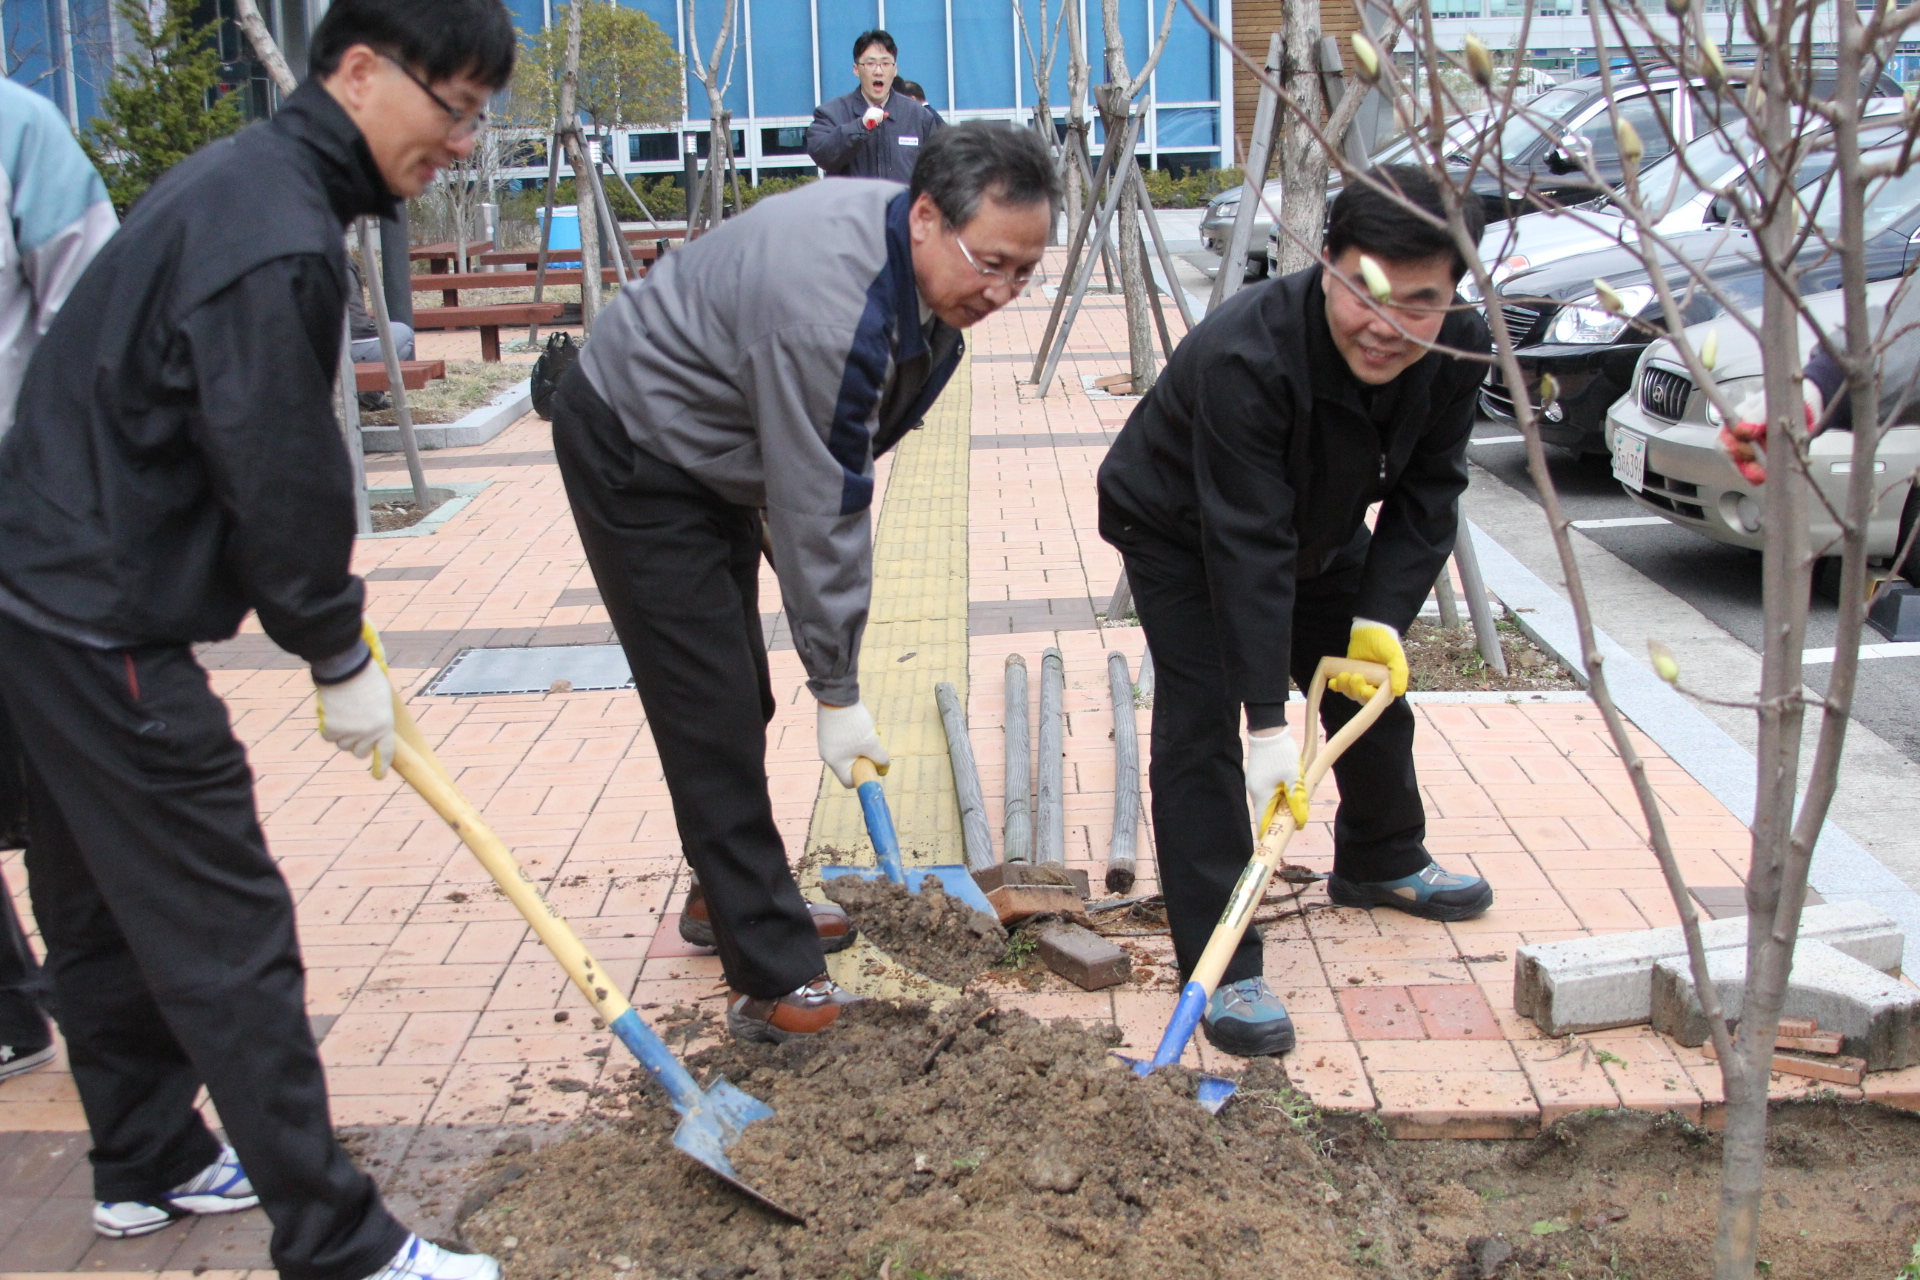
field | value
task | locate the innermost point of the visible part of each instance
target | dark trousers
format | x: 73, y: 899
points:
x: 1202, y: 833
x: 170, y: 938
x: 679, y: 572
x: 24, y: 988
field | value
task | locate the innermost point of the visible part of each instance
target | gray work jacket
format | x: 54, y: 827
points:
x: 842, y: 145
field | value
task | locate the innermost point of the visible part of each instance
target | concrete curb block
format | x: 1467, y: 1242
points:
x: 1843, y: 871
x: 478, y: 427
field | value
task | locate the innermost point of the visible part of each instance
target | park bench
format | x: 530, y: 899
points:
x: 442, y: 255
x: 488, y: 320
x: 451, y: 284
x: 414, y: 374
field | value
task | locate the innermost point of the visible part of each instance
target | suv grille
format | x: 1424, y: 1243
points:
x: 1664, y: 393
x: 1521, y: 321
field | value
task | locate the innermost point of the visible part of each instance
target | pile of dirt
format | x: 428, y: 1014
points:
x: 388, y: 516
x: 975, y: 1143
x: 927, y: 932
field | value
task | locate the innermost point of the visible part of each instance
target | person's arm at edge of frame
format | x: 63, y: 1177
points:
x: 1246, y: 503
x: 822, y: 551
x: 61, y: 215
x: 263, y: 353
x: 832, y: 145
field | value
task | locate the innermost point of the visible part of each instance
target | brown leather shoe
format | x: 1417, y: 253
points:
x: 829, y: 921
x: 804, y: 1012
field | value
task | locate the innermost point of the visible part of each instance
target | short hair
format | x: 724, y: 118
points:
x: 909, y: 87
x: 439, y: 39
x: 1379, y: 224
x: 875, y: 36
x: 964, y: 162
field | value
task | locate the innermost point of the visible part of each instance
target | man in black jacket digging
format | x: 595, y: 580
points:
x: 173, y: 464
x: 1237, y: 495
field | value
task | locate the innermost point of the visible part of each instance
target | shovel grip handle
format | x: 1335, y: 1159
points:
x: 886, y: 844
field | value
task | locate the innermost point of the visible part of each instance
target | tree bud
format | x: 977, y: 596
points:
x: 1710, y: 350
x: 1608, y: 297
x: 1549, y: 390
x: 1376, y: 279
x: 1367, y: 56
x: 1664, y: 664
x: 1714, y: 70
x: 1631, y: 148
x: 1479, y: 62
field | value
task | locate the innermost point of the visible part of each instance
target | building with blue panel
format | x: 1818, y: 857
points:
x: 969, y: 55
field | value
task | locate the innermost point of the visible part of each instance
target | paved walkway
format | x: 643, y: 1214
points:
x: 445, y: 1027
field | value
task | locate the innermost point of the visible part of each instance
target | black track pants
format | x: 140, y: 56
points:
x: 1201, y: 829
x: 679, y: 571
x: 170, y: 939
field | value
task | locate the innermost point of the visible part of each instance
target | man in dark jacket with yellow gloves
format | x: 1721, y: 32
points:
x: 174, y: 463
x: 1238, y: 495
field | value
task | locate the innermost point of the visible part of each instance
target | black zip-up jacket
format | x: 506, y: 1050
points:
x: 844, y: 147
x: 176, y: 460
x: 1257, y: 449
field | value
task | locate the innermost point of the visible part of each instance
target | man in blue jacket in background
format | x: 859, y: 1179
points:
x: 873, y: 132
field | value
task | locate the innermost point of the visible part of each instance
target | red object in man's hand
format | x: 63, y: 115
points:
x: 873, y: 117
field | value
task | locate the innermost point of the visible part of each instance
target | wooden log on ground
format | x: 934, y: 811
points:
x: 1121, y: 850
x: 974, y: 833
x: 1018, y: 840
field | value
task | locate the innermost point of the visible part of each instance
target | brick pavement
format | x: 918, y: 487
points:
x: 445, y: 1026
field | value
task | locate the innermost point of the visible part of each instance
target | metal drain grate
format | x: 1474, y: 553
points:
x: 496, y: 671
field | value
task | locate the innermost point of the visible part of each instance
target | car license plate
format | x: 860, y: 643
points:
x: 1629, y: 459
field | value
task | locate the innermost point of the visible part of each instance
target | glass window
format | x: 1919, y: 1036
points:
x: 1530, y: 122
x: 652, y: 146
x: 784, y: 142
x: 1887, y: 200
x: 1185, y: 127
x: 1644, y: 112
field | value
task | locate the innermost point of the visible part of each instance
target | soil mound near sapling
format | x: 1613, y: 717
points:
x: 928, y: 932
x: 961, y: 1142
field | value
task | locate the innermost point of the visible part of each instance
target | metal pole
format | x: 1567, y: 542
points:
x: 974, y: 833
x: 1050, y: 808
x: 422, y: 498
x: 349, y: 393
x: 1233, y: 266
x: 1484, y: 631
x: 1443, y: 596
x: 1018, y: 840
x: 1126, y: 778
x: 1120, y: 603
x: 1107, y: 207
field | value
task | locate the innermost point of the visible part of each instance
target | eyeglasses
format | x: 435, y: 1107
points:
x: 461, y: 124
x: 875, y: 64
x: 1016, y: 281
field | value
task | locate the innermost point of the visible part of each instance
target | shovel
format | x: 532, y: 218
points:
x: 1276, y: 828
x: 954, y: 878
x: 710, y: 1119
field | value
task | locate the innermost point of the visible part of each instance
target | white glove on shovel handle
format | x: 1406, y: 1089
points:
x: 844, y: 734
x: 1272, y: 762
x: 356, y: 715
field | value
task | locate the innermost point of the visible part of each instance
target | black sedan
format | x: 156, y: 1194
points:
x: 1554, y: 315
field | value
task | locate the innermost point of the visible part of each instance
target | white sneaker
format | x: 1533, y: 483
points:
x: 423, y: 1260
x: 221, y: 1187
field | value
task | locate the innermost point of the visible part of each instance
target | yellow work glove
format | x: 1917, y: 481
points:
x: 1372, y: 642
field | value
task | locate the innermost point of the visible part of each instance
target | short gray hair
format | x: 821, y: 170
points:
x: 963, y: 162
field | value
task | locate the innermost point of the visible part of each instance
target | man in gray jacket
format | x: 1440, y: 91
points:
x: 739, y: 377
x: 876, y: 131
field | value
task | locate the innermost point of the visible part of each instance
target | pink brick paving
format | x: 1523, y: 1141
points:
x: 440, y: 1010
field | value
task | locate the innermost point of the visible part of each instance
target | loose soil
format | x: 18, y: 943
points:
x: 976, y: 1143
x: 926, y: 932
x: 469, y: 384
x: 1440, y: 659
x: 388, y: 516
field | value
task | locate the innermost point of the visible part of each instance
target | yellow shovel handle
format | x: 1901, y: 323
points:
x: 1277, y: 823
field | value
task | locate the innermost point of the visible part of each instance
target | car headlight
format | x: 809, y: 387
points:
x: 1226, y: 210
x: 1586, y: 321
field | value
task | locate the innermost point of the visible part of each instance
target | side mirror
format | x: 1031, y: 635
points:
x: 1558, y: 161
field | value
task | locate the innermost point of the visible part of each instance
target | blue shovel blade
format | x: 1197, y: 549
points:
x: 708, y: 1131
x: 954, y: 879
x: 1213, y: 1092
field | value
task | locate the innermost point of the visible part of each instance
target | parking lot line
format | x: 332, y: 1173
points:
x: 1902, y: 649
x: 1619, y: 522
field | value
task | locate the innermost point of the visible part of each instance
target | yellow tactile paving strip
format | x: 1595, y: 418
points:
x: 916, y: 637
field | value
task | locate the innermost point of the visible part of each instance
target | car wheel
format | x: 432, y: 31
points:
x: 1909, y: 515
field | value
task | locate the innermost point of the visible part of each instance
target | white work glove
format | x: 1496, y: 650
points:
x: 844, y: 735
x: 356, y: 715
x: 873, y: 117
x: 1273, y: 763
